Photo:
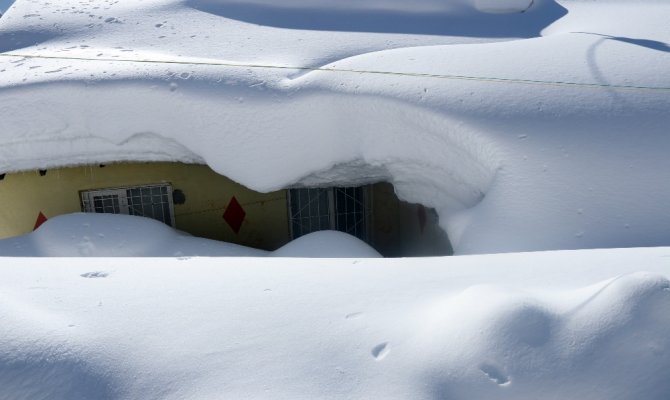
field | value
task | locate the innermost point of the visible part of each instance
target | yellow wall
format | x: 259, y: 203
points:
x: 24, y: 195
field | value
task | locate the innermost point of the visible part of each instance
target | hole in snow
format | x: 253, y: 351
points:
x: 372, y: 213
x: 380, y: 351
x: 494, y: 374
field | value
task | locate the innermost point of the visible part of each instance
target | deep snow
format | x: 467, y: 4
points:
x: 551, y: 325
x: 539, y: 130
x: 109, y: 235
x: 537, y: 136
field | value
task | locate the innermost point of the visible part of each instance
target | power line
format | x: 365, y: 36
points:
x: 354, y: 71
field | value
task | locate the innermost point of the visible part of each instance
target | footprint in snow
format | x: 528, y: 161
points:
x: 380, y: 351
x: 494, y: 374
x: 95, y: 274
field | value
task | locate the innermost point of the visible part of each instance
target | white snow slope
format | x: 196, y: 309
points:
x: 541, y: 129
x: 549, y: 325
x: 534, y: 130
x: 109, y: 235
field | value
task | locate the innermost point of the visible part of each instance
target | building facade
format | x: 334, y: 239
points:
x: 197, y: 200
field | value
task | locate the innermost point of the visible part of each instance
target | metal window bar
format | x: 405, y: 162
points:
x: 342, y: 209
x: 309, y: 211
x: 351, y: 211
x: 152, y: 201
x: 106, y: 204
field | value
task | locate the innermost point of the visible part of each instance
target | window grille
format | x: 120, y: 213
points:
x: 151, y: 201
x: 343, y: 209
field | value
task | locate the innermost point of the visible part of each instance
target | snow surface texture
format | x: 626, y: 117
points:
x: 110, y: 235
x: 327, y: 244
x: 551, y: 325
x: 542, y: 129
x: 528, y: 130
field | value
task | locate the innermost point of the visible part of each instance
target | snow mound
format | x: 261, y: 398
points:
x: 556, y: 325
x: 327, y: 244
x: 114, y: 235
x: 576, y: 344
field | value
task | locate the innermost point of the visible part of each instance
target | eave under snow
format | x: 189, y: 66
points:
x: 533, y: 130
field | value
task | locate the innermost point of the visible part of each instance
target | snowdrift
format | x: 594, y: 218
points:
x: 545, y: 138
x: 115, y: 235
x: 553, y: 142
x: 327, y: 244
x: 553, y: 325
x: 528, y: 125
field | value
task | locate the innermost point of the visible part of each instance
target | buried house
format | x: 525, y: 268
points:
x: 195, y: 199
x: 520, y: 139
x: 525, y: 127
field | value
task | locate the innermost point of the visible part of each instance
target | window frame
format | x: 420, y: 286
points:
x: 87, y: 199
x: 334, y: 210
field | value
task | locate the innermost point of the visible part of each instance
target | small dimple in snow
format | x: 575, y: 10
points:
x: 494, y: 374
x: 353, y: 315
x: 95, y: 274
x: 380, y: 351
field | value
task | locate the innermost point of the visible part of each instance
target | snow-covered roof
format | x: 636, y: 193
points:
x: 518, y: 123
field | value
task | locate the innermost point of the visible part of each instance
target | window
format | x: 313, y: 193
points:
x: 342, y: 209
x: 151, y: 201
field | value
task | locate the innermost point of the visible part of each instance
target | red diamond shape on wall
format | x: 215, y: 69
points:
x: 41, y: 218
x: 234, y: 215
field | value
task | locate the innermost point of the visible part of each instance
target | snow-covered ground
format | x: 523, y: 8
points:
x: 109, y: 235
x: 528, y: 125
x: 549, y: 325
